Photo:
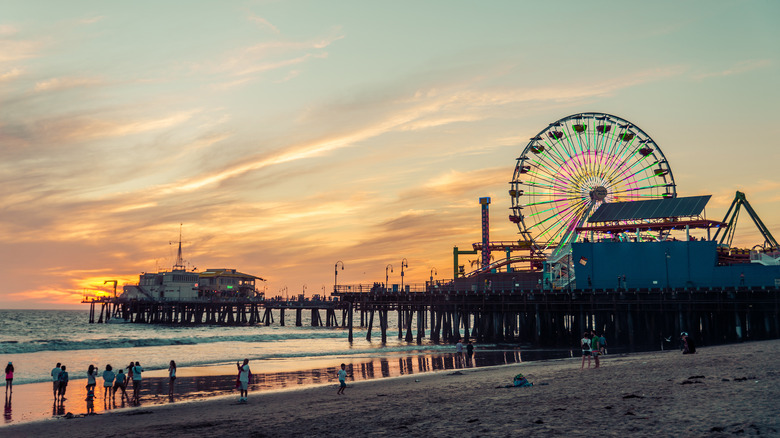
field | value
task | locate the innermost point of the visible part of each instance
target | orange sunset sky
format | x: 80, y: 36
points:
x: 287, y: 135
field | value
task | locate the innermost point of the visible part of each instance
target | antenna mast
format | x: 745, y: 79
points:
x: 179, y: 260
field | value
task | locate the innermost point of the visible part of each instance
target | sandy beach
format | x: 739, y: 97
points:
x: 731, y: 389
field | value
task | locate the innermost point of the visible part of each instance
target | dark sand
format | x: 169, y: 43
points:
x: 723, y: 390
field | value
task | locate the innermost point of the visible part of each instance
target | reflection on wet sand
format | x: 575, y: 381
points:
x: 155, y: 390
x: 7, y: 414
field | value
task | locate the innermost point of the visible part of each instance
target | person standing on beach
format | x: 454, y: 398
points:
x: 108, y: 381
x: 603, y: 344
x: 594, y: 347
x: 342, y: 379
x: 9, y: 378
x: 91, y: 377
x: 63, y: 377
x: 121, y: 383
x: 171, y: 377
x: 459, y: 351
x: 137, y: 370
x: 55, y: 379
x: 129, y: 373
x: 90, y: 400
x: 585, y: 346
x: 469, y: 352
x: 243, y: 380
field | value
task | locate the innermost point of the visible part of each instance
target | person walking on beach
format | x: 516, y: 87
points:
x: 55, y: 379
x: 585, y: 346
x: 137, y: 370
x: 469, y: 352
x: 91, y: 377
x: 9, y: 378
x: 243, y: 380
x: 603, y: 344
x: 121, y: 383
x: 108, y: 381
x: 342, y: 379
x: 171, y: 377
x: 63, y: 377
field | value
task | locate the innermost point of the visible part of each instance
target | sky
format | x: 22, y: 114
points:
x: 285, y: 136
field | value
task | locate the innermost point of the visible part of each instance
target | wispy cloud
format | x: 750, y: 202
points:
x: 263, y: 22
x: 739, y: 68
x: 92, y: 20
x: 57, y: 84
x: 10, y: 74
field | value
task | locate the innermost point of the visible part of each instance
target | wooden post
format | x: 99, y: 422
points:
x: 370, y: 324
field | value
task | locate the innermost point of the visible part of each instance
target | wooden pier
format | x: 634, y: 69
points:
x: 500, y: 313
x: 234, y: 312
x: 628, y: 317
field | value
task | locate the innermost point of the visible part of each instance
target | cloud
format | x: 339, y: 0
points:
x: 10, y: 74
x: 74, y: 129
x: 92, y: 20
x: 57, y: 84
x: 263, y: 22
x: 739, y: 68
x: 13, y: 50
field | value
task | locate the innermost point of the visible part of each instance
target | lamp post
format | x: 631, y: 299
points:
x: 336, y: 275
x: 389, y: 266
x: 433, y: 271
x: 404, y: 263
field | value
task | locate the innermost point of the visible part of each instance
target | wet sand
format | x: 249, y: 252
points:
x: 720, y: 391
x: 32, y: 402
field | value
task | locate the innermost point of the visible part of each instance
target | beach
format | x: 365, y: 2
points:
x: 729, y: 389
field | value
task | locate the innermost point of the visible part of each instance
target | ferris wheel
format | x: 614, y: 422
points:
x: 577, y: 163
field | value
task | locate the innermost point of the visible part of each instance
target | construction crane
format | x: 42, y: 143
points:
x: 731, y: 224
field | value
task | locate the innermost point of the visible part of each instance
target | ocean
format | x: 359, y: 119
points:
x: 35, y: 340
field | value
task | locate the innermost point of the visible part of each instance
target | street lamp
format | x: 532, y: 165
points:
x: 389, y: 266
x: 433, y: 271
x: 336, y: 274
x: 404, y: 264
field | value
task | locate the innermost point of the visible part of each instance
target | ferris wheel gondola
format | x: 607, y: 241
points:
x: 577, y: 163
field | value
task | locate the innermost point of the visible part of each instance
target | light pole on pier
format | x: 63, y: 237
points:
x: 389, y: 266
x: 433, y: 272
x: 404, y: 264
x: 336, y: 275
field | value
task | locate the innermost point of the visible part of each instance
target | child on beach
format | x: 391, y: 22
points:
x: 342, y: 379
x: 171, y: 377
x: 9, y: 378
x: 108, y: 381
x: 243, y: 380
x: 90, y: 400
x: 63, y: 383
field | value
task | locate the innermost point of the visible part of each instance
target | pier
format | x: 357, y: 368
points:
x: 193, y: 312
x: 501, y: 313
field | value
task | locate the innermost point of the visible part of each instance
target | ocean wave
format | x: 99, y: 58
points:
x: 14, y: 347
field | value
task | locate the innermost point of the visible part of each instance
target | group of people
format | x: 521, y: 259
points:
x: 593, y: 346
x: 112, y: 382
x: 469, y: 354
